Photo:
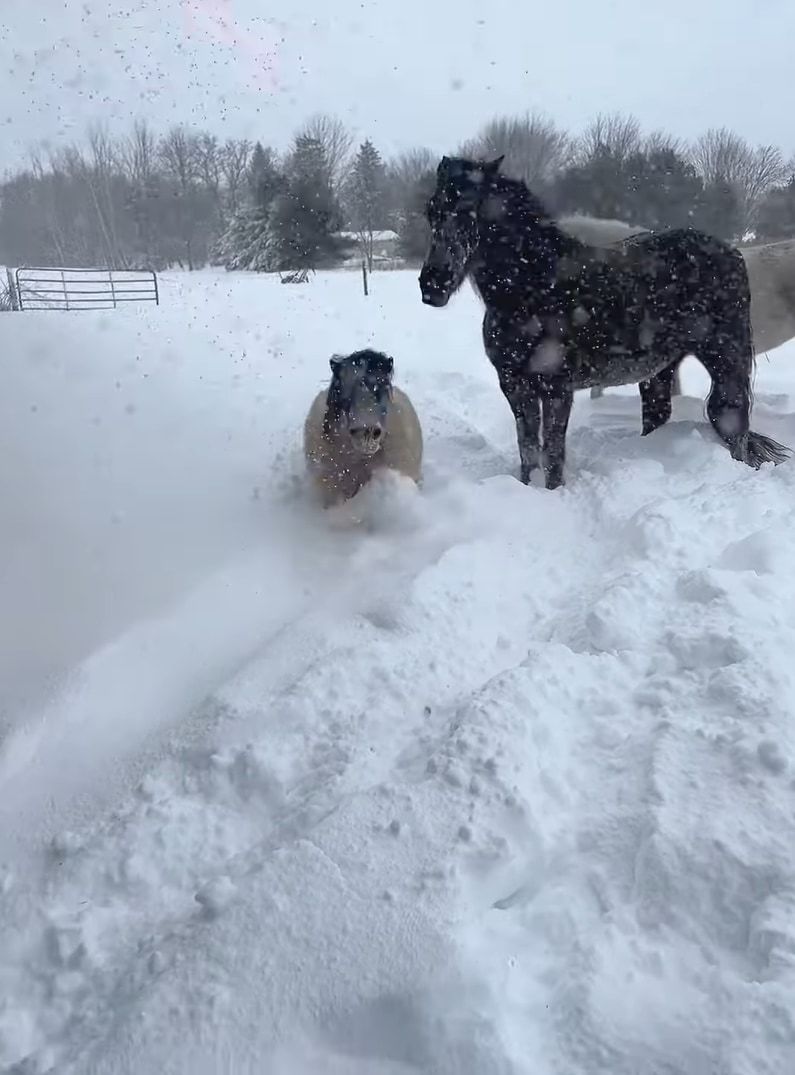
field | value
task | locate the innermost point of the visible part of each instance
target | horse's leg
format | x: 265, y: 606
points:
x: 676, y: 386
x: 597, y: 392
x: 524, y: 403
x: 729, y: 405
x: 556, y: 409
x: 655, y: 399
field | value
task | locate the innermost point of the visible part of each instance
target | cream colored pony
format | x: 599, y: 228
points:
x: 360, y: 425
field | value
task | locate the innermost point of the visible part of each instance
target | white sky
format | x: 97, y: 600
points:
x: 403, y: 72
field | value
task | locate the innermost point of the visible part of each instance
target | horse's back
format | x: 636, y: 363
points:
x: 684, y: 269
x: 690, y: 244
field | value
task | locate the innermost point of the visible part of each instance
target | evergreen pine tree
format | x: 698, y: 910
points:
x: 264, y: 179
x: 663, y: 190
x: 720, y: 211
x: 306, y: 215
x: 596, y: 186
x: 366, y: 197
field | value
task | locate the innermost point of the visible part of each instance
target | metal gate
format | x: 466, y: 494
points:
x: 58, y: 288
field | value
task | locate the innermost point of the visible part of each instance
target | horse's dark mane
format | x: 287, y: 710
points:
x: 520, y: 243
x: 366, y: 360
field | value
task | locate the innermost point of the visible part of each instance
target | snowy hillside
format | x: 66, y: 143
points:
x: 500, y: 782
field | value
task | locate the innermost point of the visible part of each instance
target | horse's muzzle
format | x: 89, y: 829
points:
x: 367, y: 439
x: 434, y: 298
x: 433, y: 286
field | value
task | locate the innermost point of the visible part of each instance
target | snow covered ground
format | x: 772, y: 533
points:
x: 500, y: 781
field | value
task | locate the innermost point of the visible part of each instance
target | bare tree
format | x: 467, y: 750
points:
x: 50, y: 220
x: 138, y: 154
x: 234, y: 160
x: 100, y: 178
x: 82, y: 202
x: 208, y: 154
x: 663, y: 142
x: 337, y: 143
x: 535, y: 148
x: 721, y: 156
x: 404, y: 175
x: 179, y: 154
x: 410, y: 166
x: 617, y: 133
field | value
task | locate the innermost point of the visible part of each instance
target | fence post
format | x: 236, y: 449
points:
x: 65, y: 292
x: 13, y: 294
x: 364, y: 276
x: 112, y: 287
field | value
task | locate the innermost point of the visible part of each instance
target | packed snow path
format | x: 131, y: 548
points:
x: 499, y: 781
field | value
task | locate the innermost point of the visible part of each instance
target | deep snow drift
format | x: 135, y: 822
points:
x: 498, y: 781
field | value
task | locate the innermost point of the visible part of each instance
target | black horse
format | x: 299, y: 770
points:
x: 561, y: 315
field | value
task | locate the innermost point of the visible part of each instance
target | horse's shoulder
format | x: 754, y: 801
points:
x: 402, y: 407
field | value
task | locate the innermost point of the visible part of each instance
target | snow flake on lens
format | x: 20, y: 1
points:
x: 256, y: 43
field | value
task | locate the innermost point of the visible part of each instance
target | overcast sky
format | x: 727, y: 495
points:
x: 403, y: 72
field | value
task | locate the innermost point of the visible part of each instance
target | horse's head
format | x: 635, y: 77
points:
x: 452, y: 211
x: 359, y: 396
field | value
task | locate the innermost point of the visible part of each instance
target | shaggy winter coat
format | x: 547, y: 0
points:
x: 771, y: 275
x: 338, y: 471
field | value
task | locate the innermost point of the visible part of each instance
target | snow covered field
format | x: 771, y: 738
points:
x: 500, y: 783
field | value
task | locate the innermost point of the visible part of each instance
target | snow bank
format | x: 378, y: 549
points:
x: 499, y: 781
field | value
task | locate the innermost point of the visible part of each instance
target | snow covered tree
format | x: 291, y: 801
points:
x: 248, y: 241
x: 366, y: 197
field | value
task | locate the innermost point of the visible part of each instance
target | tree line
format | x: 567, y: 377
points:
x: 187, y: 198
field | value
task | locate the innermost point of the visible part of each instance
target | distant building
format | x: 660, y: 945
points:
x: 385, y: 245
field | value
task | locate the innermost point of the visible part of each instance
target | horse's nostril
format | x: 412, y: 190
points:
x: 377, y: 432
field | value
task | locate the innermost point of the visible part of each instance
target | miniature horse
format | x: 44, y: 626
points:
x: 562, y: 315
x: 361, y: 424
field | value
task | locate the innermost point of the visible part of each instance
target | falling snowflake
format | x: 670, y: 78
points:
x: 216, y: 20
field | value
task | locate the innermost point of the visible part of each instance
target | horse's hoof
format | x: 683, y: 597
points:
x: 554, y: 481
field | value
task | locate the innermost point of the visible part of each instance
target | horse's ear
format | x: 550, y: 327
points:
x: 335, y: 363
x: 492, y: 167
x: 381, y: 363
